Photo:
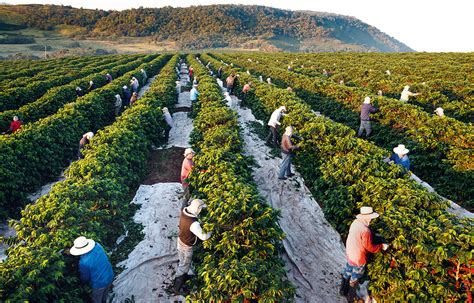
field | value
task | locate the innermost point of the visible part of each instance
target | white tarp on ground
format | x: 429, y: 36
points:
x: 314, y: 254
x: 154, y: 259
x: 151, y: 266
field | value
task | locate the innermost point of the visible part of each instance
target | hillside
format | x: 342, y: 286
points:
x: 214, y: 26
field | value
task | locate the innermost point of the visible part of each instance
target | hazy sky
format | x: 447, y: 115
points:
x: 436, y: 26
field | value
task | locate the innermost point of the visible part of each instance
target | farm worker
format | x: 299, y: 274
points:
x: 195, y: 81
x: 108, y: 77
x: 186, y: 168
x: 128, y: 95
x: 83, y: 142
x: 379, y: 93
x: 230, y: 82
x: 145, y: 76
x: 246, y: 87
x: 118, y: 104
x: 169, y: 122
x: 248, y: 72
x: 191, y: 71
x: 273, y: 123
x: 193, y: 95
x: 189, y: 231
x: 219, y: 72
x: 269, y: 80
x: 260, y: 78
x: 79, y: 92
x: 289, y: 89
x: 15, y: 125
x: 91, y: 85
x: 406, y: 94
x: 134, y: 98
x: 134, y: 84
x: 325, y: 73
x: 400, y: 157
x: 289, y: 68
x: 388, y: 72
x: 94, y: 267
x: 439, y: 111
x: 359, y: 243
x: 287, y: 149
x: 365, y: 111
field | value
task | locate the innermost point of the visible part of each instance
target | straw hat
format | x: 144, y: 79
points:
x: 367, y: 100
x: 188, y: 151
x: 195, y: 207
x: 89, y: 135
x: 401, y: 150
x: 439, y: 111
x: 289, y: 130
x: 82, y: 245
x: 366, y: 212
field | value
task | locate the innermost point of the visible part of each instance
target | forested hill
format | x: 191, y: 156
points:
x: 212, y: 26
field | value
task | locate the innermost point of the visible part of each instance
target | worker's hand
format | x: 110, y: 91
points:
x: 384, y: 246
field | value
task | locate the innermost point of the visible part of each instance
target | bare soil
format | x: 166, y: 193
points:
x: 164, y: 166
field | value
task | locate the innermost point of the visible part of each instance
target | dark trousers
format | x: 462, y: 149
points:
x: 272, y: 136
x: 167, y: 132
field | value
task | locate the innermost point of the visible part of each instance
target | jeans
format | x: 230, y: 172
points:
x: 99, y: 295
x: 285, y: 165
x: 353, y: 272
x: 364, y: 125
x: 272, y: 134
x: 185, y: 256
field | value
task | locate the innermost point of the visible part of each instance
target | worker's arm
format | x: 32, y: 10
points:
x: 367, y: 243
x: 197, y: 230
x: 85, y: 272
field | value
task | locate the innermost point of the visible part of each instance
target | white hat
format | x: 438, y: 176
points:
x: 165, y: 110
x: 15, y: 118
x: 195, y: 207
x: 401, y: 150
x: 367, y: 100
x: 439, y: 111
x: 366, y: 212
x: 124, y: 87
x: 91, y: 82
x: 78, y: 88
x: 407, y: 87
x: 282, y: 108
x: 188, y: 151
x: 82, y: 245
x: 288, y: 130
x: 89, y: 135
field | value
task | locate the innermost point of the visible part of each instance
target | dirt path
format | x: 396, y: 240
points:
x: 150, y: 267
x: 314, y: 254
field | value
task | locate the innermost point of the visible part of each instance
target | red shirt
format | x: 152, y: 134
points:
x: 185, y: 170
x: 359, y: 243
x: 15, y: 125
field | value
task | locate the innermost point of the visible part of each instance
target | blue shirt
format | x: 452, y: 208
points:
x: 404, y: 161
x: 194, y: 94
x: 95, y: 268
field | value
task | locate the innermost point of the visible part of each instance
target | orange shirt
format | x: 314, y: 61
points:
x: 359, y: 243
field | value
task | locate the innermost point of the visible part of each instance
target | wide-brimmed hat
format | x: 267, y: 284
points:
x: 188, y: 151
x: 289, y: 130
x: 165, y: 110
x: 82, y: 245
x: 401, y: 150
x: 195, y: 207
x: 124, y: 87
x: 367, y: 100
x: 439, y: 111
x: 89, y: 135
x: 366, y: 212
x: 282, y: 108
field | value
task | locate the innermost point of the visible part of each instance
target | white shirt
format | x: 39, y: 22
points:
x: 405, y: 95
x: 275, y: 118
x: 168, y: 119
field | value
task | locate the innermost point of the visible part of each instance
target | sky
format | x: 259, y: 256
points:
x: 423, y: 25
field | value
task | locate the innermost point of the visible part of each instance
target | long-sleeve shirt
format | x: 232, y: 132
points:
x: 95, y: 268
x: 275, y: 118
x: 403, y: 161
x: 405, y: 95
x: 168, y: 119
x: 193, y: 94
x: 359, y: 243
x: 286, y: 145
x: 14, y: 126
x: 186, y: 169
x: 366, y: 110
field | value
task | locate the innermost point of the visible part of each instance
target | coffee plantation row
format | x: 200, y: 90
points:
x: 241, y: 259
x: 17, y: 96
x: 94, y: 197
x: 442, y: 148
x: 431, y: 254
x: 41, y: 150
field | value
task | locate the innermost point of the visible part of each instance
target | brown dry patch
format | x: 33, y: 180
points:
x: 164, y: 165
